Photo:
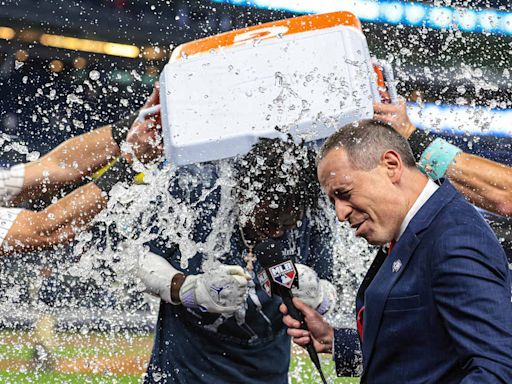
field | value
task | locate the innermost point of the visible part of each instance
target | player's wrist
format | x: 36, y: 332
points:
x: 419, y: 140
x: 120, y: 172
x: 436, y: 159
x: 329, y: 297
x: 324, y: 306
x: 222, y: 290
x: 187, y: 291
x: 410, y: 128
x: 176, y: 284
x: 14, y: 181
x: 121, y: 127
x: 433, y: 155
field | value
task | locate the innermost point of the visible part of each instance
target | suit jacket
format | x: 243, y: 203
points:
x: 438, y: 308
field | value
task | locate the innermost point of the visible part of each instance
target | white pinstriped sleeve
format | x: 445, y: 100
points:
x: 157, y: 273
x: 11, y: 182
x: 7, y: 218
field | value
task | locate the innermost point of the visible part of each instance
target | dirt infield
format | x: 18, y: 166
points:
x: 102, y: 365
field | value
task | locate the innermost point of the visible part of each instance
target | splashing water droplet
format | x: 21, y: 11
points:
x: 94, y: 75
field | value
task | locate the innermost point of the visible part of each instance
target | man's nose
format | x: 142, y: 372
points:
x: 343, y: 210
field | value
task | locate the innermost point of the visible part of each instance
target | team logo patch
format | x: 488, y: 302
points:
x: 283, y: 274
x: 265, y: 282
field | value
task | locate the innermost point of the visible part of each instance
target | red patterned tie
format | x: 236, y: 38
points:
x: 360, y: 323
x: 391, y: 245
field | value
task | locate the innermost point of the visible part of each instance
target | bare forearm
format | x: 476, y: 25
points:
x: 79, y: 207
x: 58, y: 223
x: 85, y: 154
x: 485, y: 183
x: 69, y: 163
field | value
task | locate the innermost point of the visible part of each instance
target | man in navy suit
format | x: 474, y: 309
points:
x: 436, y: 307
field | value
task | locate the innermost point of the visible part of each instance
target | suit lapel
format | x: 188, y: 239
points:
x: 376, y: 291
x: 370, y: 274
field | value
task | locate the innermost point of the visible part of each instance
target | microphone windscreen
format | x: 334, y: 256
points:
x: 269, y: 252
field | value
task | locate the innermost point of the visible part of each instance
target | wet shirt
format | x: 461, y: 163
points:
x: 252, y: 347
x: 11, y: 181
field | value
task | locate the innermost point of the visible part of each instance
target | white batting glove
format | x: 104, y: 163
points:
x: 222, y: 290
x: 317, y: 293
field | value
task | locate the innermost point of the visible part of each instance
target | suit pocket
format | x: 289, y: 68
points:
x: 403, y: 303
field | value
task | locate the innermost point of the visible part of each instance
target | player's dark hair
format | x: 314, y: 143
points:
x: 280, y: 172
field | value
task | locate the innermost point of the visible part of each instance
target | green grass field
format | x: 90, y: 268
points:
x: 113, y: 358
x: 61, y: 378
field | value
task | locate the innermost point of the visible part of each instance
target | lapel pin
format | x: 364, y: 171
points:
x: 397, y: 264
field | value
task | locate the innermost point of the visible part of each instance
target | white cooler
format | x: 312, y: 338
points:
x: 307, y: 76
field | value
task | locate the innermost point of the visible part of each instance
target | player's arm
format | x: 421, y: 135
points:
x: 483, y: 182
x: 315, y: 276
x: 57, y: 224
x: 160, y: 277
x: 77, y: 157
x: 222, y: 290
x: 68, y: 163
x: 60, y: 221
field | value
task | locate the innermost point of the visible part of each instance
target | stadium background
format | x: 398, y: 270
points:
x: 54, y: 87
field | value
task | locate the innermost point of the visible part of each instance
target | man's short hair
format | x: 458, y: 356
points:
x: 279, y: 172
x: 365, y: 141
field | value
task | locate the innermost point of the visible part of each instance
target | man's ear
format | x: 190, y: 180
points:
x: 392, y: 162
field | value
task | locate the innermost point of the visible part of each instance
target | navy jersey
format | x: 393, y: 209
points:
x: 252, y: 347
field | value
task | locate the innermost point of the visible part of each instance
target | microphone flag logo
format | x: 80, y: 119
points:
x: 283, y: 274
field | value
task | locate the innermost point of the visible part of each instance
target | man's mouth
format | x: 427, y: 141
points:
x: 357, y: 227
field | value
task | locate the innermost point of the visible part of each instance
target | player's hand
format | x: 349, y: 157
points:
x: 144, y: 139
x: 396, y: 116
x: 318, y: 294
x: 222, y: 290
x: 320, y: 332
x: 154, y: 98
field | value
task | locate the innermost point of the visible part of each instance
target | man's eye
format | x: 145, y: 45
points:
x: 341, y: 195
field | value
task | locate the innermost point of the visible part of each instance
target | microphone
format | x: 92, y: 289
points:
x: 279, y: 276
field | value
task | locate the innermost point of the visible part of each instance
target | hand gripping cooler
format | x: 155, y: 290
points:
x: 306, y: 75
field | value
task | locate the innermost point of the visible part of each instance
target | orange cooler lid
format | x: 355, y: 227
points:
x: 272, y: 30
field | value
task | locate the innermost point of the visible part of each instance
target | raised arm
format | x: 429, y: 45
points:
x: 68, y: 163
x: 57, y: 224
x: 62, y: 220
x: 77, y: 158
x: 483, y: 182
